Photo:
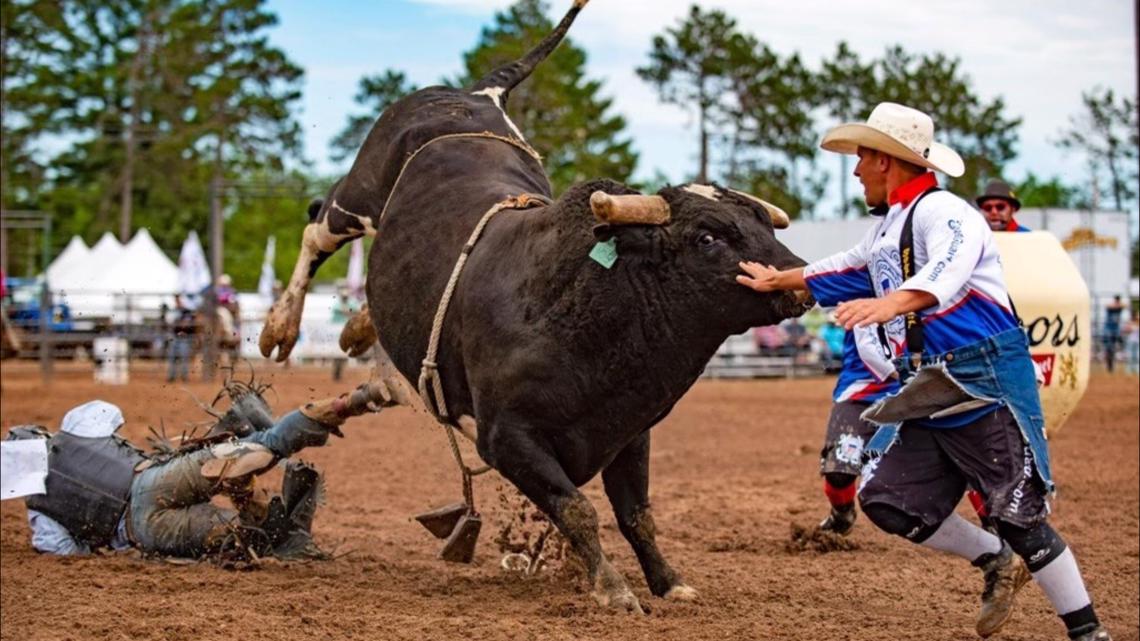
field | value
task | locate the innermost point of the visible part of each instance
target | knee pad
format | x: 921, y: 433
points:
x: 1037, y: 545
x: 892, y: 520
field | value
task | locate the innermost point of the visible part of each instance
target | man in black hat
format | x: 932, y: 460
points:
x: 998, y: 204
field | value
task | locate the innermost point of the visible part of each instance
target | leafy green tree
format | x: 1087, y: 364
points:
x: 24, y: 114
x: 690, y: 65
x: 155, y: 98
x: 559, y: 110
x: 270, y: 202
x: 1106, y: 133
x: 773, y: 126
x: 935, y: 84
x: 1039, y: 192
x: 375, y: 94
x: 845, y: 82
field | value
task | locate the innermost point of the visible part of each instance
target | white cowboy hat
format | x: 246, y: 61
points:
x: 899, y: 131
x: 94, y: 419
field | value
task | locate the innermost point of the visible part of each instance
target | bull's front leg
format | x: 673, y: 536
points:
x: 358, y: 335
x: 329, y: 230
x: 541, y: 478
x: 626, y: 480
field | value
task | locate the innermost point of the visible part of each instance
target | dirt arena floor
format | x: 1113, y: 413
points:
x: 733, y: 470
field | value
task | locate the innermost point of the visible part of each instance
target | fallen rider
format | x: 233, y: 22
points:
x: 102, y: 491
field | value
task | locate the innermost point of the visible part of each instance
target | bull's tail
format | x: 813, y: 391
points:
x: 510, y: 75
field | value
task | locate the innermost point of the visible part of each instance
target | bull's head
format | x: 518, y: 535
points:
x: 696, y: 236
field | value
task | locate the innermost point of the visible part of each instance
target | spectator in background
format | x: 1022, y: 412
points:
x: 771, y: 340
x: 798, y: 337
x: 1111, y: 335
x: 229, y: 318
x: 181, y: 341
x: 998, y: 205
x: 9, y: 341
x: 227, y: 295
x: 833, y: 336
x: 1132, y: 343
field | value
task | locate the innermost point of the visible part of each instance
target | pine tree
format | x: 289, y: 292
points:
x: 934, y: 83
x: 1106, y: 132
x: 154, y: 97
x: 778, y: 135
x: 690, y: 66
x: 844, y: 83
x: 375, y: 94
x: 559, y: 110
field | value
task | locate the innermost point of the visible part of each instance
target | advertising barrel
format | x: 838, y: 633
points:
x: 1053, y: 301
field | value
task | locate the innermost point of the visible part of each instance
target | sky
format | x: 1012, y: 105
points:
x: 1039, y: 55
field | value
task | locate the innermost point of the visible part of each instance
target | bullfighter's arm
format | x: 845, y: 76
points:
x: 867, y: 311
x: 770, y: 279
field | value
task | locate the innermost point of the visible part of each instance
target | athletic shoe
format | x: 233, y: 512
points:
x: 1005, y: 574
x: 840, y: 521
x: 1099, y: 634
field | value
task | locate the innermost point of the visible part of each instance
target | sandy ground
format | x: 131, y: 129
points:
x: 734, y: 468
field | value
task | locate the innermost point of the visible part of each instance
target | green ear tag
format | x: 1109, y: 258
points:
x: 605, y: 254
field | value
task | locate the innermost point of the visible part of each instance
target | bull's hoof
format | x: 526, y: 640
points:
x: 358, y: 335
x: 621, y: 599
x: 281, y: 330
x: 683, y: 593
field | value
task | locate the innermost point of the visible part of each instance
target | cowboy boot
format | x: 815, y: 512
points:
x: 300, y: 494
x: 840, y: 520
x: 1098, y: 634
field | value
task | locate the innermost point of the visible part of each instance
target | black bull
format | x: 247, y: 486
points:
x: 563, y: 364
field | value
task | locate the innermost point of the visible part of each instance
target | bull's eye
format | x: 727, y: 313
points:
x: 706, y: 239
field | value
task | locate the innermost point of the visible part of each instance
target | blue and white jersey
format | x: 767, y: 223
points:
x: 866, y: 374
x: 956, y: 259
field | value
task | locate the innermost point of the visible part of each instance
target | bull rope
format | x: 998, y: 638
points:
x: 429, y: 370
x: 483, y: 134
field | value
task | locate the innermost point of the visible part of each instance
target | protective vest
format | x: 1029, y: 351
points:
x: 88, y: 485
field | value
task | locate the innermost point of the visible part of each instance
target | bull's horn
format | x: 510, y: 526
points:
x: 780, y: 218
x: 632, y: 209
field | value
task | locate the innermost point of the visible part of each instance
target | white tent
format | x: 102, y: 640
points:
x: 84, y: 274
x: 137, y: 279
x: 75, y: 253
x: 142, y: 268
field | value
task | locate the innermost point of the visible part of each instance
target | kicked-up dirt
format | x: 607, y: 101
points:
x: 735, y: 493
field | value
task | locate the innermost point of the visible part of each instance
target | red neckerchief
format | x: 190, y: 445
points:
x: 912, y: 189
x: 1012, y: 225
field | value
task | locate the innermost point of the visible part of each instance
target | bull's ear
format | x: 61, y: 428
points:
x: 315, y: 209
x: 603, y: 232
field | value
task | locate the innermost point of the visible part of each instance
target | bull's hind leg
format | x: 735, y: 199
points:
x: 541, y: 478
x: 627, y: 484
x: 332, y: 226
